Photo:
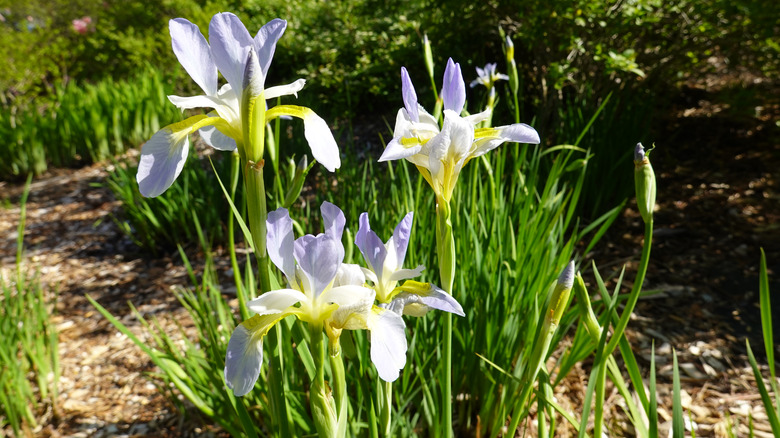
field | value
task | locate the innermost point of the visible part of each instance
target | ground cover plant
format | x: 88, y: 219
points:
x: 493, y: 246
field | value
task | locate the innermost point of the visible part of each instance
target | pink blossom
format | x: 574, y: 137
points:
x: 81, y: 25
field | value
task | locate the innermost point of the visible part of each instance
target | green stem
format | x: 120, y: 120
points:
x: 323, y: 408
x: 385, y: 406
x: 445, y: 246
x: 339, y: 382
x: 235, y: 161
x: 634, y: 295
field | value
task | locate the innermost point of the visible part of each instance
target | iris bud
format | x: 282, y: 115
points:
x: 644, y: 180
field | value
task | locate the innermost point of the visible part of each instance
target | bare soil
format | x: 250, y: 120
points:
x: 718, y: 203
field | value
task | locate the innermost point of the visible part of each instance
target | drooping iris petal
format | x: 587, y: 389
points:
x: 409, y: 95
x: 280, y: 238
x: 194, y: 54
x: 333, y: 220
x: 494, y: 137
x: 275, y: 301
x: 230, y: 42
x: 162, y: 159
x: 388, y: 343
x: 265, y: 42
x: 418, y: 298
x: 216, y: 139
x: 323, y: 145
x: 244, y: 355
x: 453, y: 93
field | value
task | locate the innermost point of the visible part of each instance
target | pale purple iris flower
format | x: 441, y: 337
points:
x: 318, y: 292
x: 243, y: 62
x: 385, y: 269
x: 488, y: 76
x: 440, y: 154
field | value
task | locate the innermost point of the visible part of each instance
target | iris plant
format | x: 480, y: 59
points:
x: 238, y: 115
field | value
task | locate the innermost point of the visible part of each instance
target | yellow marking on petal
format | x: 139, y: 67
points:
x: 485, y: 132
x: 260, y: 325
x: 414, y: 287
x: 300, y: 112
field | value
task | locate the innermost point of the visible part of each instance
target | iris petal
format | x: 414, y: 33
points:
x: 265, y: 42
x: 409, y: 95
x: 320, y: 138
x: 453, y: 93
x: 230, y: 42
x: 244, y: 355
x: 279, y: 235
x: 194, y: 54
x: 388, y: 343
x: 275, y: 301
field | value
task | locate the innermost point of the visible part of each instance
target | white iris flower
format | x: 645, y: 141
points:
x: 440, y: 154
x: 243, y: 62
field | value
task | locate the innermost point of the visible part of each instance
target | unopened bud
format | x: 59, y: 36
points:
x: 296, y: 185
x: 428, y: 55
x: 253, y: 108
x: 510, y: 50
x: 644, y: 180
x: 560, y: 296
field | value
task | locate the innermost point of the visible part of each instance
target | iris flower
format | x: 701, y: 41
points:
x: 385, y: 269
x: 243, y: 62
x: 318, y: 292
x: 440, y: 154
x: 487, y: 76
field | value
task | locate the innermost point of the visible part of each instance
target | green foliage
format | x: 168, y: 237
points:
x: 29, y: 361
x: 84, y: 124
x: 120, y: 37
x: 161, y: 223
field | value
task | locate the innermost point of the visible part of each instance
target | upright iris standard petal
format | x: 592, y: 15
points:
x: 194, y: 54
x: 409, y: 95
x: 333, y: 220
x: 401, y: 236
x: 319, y: 259
x: 280, y: 238
x: 453, y: 93
x: 230, y: 42
x: 370, y: 245
x: 266, y: 39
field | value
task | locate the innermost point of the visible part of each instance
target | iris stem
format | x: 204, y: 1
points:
x: 445, y: 247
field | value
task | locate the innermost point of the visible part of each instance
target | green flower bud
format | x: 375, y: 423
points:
x: 253, y: 108
x: 294, y: 190
x: 428, y: 54
x: 644, y: 180
x: 561, y: 293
